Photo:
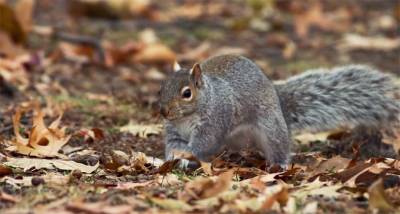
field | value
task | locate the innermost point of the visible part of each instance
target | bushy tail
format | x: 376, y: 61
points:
x: 345, y: 97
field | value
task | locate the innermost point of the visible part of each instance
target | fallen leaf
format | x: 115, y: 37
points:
x: 141, y: 157
x: 317, y: 188
x: 10, y: 25
x: 167, y: 166
x: 4, y: 170
x: 77, y: 53
x: 155, y: 53
x: 100, y: 207
x: 281, y: 196
x: 206, y: 167
x: 7, y: 197
x: 364, y: 169
x: 378, y: 199
x: 24, y: 11
x: 29, y: 163
x: 196, y: 53
x: 168, y: 179
x: 207, y: 187
x: 9, y: 48
x: 314, y: 15
x: 309, y: 137
x: 132, y: 185
x: 43, y: 141
x: 171, y: 204
x: 222, y: 184
x: 49, y: 178
x: 92, y: 134
x: 111, y: 9
x: 358, y: 42
x: 311, y: 207
x: 141, y: 130
x: 393, y: 140
x: 333, y: 164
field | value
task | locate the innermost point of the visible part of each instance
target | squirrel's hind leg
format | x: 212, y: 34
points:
x: 273, y: 138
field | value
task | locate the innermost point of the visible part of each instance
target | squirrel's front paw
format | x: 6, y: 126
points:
x: 185, y: 164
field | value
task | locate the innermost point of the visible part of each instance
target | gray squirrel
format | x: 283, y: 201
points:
x: 227, y: 102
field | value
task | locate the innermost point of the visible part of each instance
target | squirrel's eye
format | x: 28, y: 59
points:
x: 186, y: 93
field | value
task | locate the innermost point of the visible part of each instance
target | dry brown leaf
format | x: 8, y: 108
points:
x: 221, y: 184
x: 78, y: 53
x: 281, y: 197
x: 7, y: 197
x: 29, y: 163
x: 207, y: 188
x: 393, y: 140
x: 93, y: 134
x: 155, y: 53
x: 111, y: 9
x: 10, y: 25
x: 24, y: 11
x: 9, y: 48
x: 167, y: 166
x: 115, y: 55
x: 335, y: 163
x: 374, y: 168
x: 43, y: 141
x: 207, y: 168
x: 131, y: 185
x: 197, y: 53
x: 378, y: 199
x: 4, y: 170
x: 315, y: 16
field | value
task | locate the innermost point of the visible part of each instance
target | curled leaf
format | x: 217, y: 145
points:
x: 43, y: 141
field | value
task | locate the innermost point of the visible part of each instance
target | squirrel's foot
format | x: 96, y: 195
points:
x: 188, y: 165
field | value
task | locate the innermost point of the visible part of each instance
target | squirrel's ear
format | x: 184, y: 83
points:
x: 195, y: 74
x: 177, y: 67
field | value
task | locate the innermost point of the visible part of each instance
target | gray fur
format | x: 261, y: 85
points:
x: 344, y: 97
x: 237, y: 104
x: 235, y: 92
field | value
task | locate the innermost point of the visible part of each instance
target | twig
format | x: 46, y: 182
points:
x: 71, y: 38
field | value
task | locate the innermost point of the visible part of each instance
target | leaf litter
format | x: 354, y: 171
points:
x: 97, y: 161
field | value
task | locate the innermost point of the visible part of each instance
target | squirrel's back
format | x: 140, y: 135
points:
x: 344, y: 97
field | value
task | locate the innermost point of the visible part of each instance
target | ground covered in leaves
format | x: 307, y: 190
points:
x: 79, y: 125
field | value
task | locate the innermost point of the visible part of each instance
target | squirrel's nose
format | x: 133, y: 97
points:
x: 164, y: 111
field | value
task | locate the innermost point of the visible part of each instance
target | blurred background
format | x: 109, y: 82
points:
x: 103, y: 60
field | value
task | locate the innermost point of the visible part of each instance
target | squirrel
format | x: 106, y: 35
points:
x: 210, y: 107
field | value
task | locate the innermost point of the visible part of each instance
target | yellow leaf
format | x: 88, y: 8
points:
x: 141, y: 130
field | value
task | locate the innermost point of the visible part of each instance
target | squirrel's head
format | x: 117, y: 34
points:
x: 179, y: 92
